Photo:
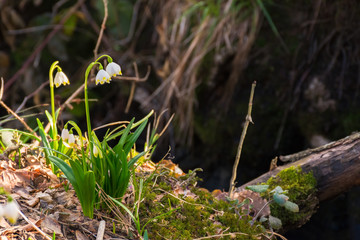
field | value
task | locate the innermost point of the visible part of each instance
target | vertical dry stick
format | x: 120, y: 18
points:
x: 102, y: 28
x: 132, y: 90
x: 248, y: 119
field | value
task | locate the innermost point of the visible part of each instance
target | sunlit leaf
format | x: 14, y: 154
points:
x: 293, y: 207
x: 280, y: 198
x: 258, y: 188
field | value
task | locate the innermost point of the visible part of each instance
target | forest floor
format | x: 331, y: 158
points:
x: 50, y: 209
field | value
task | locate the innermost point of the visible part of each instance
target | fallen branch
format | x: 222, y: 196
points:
x: 336, y: 166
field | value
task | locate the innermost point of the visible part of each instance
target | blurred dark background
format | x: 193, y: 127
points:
x: 204, y: 56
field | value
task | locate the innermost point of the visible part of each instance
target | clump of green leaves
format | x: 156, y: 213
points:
x: 89, y: 164
x: 278, y: 196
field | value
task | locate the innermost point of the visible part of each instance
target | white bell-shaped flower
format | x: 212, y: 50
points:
x: 71, y: 139
x: 102, y: 76
x: 65, y: 134
x: 61, y: 78
x: 113, y: 69
x: 95, y: 151
x: 11, y: 211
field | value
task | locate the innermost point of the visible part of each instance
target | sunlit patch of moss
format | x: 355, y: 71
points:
x: 189, y: 217
x: 301, y: 190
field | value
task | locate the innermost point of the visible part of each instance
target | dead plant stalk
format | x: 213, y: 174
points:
x: 11, y: 111
x: 248, y: 120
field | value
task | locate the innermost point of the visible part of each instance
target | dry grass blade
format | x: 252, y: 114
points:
x: 13, y: 113
x: 194, y: 40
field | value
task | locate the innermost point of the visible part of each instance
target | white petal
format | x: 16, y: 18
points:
x: 11, y: 211
x: 57, y: 80
x: 61, y: 78
x: 95, y: 151
x: 1, y: 211
x: 113, y: 69
x: 102, y: 76
x: 65, y: 134
x: 71, y: 139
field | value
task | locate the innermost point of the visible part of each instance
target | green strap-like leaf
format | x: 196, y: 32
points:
x: 131, y: 141
x: 86, y: 187
x: 125, y: 134
x: 65, y: 168
x: 44, y: 139
x: 134, y: 159
x: 258, y: 188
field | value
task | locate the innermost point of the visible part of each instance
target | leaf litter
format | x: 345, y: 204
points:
x: 51, y: 205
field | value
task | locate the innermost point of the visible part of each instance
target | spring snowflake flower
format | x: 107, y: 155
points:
x: 113, y: 69
x: 68, y: 138
x: 65, y: 134
x: 61, y: 78
x: 71, y: 139
x: 102, y: 76
x: 11, y: 211
x: 95, y: 151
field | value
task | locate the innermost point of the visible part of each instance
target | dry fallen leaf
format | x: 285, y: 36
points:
x: 50, y: 225
x: 4, y: 223
x: 32, y: 202
x: 44, y: 196
x: 10, y: 179
x: 29, y: 227
x: 80, y: 236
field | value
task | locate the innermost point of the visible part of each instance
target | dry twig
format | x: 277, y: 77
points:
x: 31, y: 58
x: 12, y: 112
x: 248, y: 120
x: 102, y: 28
x: 101, y: 230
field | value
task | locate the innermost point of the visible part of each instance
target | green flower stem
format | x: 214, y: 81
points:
x: 87, y: 111
x: 108, y: 58
x: 51, y: 79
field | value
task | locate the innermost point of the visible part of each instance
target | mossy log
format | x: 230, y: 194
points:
x: 336, y: 166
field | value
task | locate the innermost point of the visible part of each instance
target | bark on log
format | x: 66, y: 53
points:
x: 336, y: 166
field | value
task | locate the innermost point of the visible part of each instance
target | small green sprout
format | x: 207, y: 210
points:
x: 279, y: 197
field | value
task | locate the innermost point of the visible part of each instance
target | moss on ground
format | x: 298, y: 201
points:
x: 188, y: 212
x: 301, y: 190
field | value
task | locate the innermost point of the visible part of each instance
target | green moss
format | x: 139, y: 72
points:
x: 194, y: 214
x: 301, y: 190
